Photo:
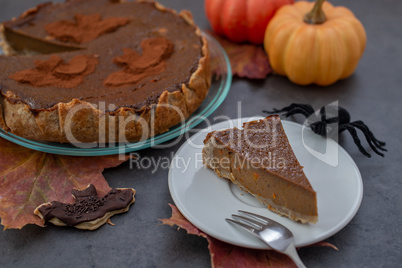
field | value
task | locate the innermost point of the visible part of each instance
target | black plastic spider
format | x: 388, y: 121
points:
x: 341, y: 118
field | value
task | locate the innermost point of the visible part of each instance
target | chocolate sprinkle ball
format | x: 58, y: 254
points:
x: 88, y: 207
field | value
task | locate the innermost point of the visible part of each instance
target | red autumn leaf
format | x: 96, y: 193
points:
x: 179, y: 220
x: 29, y: 178
x: 323, y: 244
x: 246, y: 60
x: 224, y: 255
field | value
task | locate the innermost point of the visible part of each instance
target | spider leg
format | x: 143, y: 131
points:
x: 288, y: 112
x: 332, y: 120
x: 274, y: 111
x: 363, y: 127
x: 298, y: 111
x: 356, y: 139
x: 319, y: 128
x: 369, y: 140
x: 294, y: 108
x: 341, y: 115
x: 308, y: 108
x: 323, y: 129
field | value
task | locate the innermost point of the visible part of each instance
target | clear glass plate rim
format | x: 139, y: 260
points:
x: 189, y: 124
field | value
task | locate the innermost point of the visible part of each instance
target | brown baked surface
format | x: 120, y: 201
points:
x: 260, y: 160
x: 128, y: 112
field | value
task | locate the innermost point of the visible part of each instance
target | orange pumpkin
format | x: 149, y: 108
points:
x: 320, y: 46
x: 242, y: 20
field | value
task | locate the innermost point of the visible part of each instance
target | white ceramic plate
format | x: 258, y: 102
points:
x: 206, y: 200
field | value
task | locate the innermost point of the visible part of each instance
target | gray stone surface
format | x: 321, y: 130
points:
x: 372, y: 239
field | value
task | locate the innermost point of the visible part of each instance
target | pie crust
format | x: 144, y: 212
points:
x: 79, y: 121
x: 260, y: 161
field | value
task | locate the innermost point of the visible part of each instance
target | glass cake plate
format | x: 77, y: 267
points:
x: 217, y: 93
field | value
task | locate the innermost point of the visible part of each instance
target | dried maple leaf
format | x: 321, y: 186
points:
x: 179, y: 220
x: 246, y: 60
x: 226, y: 255
x: 29, y: 178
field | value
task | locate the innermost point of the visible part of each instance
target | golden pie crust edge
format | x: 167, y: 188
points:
x: 90, y: 124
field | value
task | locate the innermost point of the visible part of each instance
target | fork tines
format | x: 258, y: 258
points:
x: 274, y: 234
x: 251, y: 223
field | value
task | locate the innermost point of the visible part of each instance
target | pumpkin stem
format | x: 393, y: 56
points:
x: 316, y: 15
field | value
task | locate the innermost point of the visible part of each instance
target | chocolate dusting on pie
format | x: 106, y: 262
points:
x: 56, y: 72
x: 84, y: 28
x: 88, y: 207
x: 180, y: 80
x: 152, y: 61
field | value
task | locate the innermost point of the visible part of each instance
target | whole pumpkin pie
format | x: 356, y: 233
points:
x: 260, y: 160
x: 100, y: 71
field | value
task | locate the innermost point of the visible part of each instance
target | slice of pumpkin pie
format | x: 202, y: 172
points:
x: 260, y: 160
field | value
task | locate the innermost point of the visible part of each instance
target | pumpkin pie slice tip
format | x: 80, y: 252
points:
x: 260, y: 160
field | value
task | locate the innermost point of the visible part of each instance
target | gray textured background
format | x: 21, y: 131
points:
x: 372, y: 239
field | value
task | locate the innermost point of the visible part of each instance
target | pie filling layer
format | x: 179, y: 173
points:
x: 100, y: 71
x: 260, y: 160
x: 128, y: 54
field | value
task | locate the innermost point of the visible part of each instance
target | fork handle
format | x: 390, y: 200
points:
x: 292, y: 253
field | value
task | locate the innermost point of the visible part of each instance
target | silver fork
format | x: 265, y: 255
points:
x: 274, y: 234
